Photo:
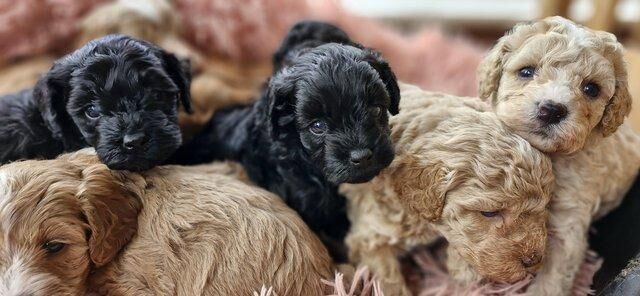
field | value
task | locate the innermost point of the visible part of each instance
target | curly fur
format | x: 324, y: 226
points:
x: 453, y: 162
x: 134, y: 89
x: 339, y: 84
x: 196, y: 232
x: 595, y: 156
x: 565, y: 57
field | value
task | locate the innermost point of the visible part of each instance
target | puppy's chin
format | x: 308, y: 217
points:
x: 497, y: 269
x: 553, y: 139
x: 141, y: 160
x: 124, y: 161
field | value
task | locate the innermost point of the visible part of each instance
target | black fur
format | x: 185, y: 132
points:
x: 342, y: 85
x: 133, y: 89
x: 306, y: 35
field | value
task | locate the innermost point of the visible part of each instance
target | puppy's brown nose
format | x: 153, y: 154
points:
x: 531, y: 260
x: 133, y: 141
x: 360, y: 156
x: 551, y: 113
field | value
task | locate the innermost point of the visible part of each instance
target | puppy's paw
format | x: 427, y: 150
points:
x: 546, y: 286
x: 460, y: 270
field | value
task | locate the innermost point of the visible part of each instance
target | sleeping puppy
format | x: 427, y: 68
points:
x: 117, y: 94
x: 459, y: 173
x: 321, y: 121
x: 71, y: 226
x: 563, y: 88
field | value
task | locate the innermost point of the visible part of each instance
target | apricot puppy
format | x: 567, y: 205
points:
x: 564, y: 88
x: 70, y: 226
x: 458, y: 174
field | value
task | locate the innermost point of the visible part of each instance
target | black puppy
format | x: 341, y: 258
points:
x: 117, y: 94
x: 321, y: 121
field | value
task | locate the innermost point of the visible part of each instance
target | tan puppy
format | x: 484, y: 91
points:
x: 563, y: 87
x: 68, y: 227
x: 458, y: 174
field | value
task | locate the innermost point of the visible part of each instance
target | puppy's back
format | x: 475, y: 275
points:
x: 23, y: 133
x: 209, y: 234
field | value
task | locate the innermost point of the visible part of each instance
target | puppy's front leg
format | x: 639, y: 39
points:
x: 460, y: 269
x: 566, y: 247
x: 383, y: 262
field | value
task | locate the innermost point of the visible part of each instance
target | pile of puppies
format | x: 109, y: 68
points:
x: 512, y: 183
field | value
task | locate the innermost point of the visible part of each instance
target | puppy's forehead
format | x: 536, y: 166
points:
x: 119, y: 74
x: 347, y: 86
x: 31, y: 192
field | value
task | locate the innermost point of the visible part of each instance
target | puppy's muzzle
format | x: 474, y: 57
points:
x: 531, y: 260
x: 134, y: 141
x: 551, y: 113
x: 360, y: 157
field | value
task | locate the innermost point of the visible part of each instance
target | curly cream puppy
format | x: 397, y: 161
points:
x: 68, y: 227
x: 564, y: 88
x: 458, y: 174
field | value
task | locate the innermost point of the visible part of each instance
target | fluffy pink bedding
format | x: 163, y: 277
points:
x: 430, y: 278
x: 251, y: 30
x: 29, y: 27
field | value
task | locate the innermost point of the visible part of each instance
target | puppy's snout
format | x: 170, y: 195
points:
x: 531, y: 260
x: 360, y: 156
x: 551, y: 113
x: 134, y: 141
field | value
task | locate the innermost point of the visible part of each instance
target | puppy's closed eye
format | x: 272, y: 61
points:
x: 490, y: 214
x: 52, y: 247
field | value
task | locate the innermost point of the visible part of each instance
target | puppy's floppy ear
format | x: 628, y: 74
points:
x: 110, y: 209
x: 490, y: 71
x: 179, y: 71
x: 421, y: 187
x: 280, y: 103
x: 620, y: 104
x: 50, y: 94
x: 376, y: 61
x: 492, y: 66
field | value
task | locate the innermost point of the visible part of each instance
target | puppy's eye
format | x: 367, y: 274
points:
x: 92, y: 112
x: 527, y: 72
x: 490, y: 214
x: 375, y: 111
x: 591, y: 89
x: 53, y: 247
x: 318, y: 127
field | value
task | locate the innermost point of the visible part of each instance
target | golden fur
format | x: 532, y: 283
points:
x: 452, y: 162
x: 595, y: 156
x: 566, y: 56
x: 198, y: 232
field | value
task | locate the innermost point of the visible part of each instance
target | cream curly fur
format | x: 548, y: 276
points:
x: 198, y: 232
x: 452, y: 163
x: 595, y: 156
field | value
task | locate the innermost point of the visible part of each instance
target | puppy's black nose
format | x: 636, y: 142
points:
x: 133, y: 141
x: 360, y: 156
x: 531, y: 260
x: 551, y: 113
